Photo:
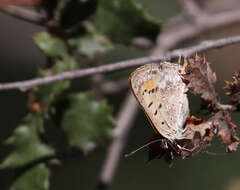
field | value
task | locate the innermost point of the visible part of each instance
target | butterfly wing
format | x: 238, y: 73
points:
x: 161, y: 93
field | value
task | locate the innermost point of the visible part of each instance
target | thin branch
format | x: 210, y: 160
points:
x: 111, y: 87
x: 97, y: 79
x: 184, y: 52
x: 24, y: 3
x: 181, y: 32
x: 141, y: 42
x: 125, y: 120
x: 25, y: 14
x: 191, y: 9
x: 225, y: 107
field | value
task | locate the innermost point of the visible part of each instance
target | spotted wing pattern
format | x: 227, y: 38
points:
x: 159, y: 89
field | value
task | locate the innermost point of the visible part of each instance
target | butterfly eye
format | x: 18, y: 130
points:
x: 162, y: 123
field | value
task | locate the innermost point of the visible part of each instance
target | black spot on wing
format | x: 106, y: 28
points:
x: 145, y: 90
x: 155, y: 113
x: 149, y: 105
x: 159, y: 106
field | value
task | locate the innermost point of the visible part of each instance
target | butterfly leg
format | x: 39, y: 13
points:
x: 182, y: 148
x: 186, y: 149
x: 164, y: 144
x: 186, y: 131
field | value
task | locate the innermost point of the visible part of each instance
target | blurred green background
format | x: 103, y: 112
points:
x: 20, y: 59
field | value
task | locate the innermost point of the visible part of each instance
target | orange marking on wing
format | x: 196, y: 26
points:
x: 149, y: 84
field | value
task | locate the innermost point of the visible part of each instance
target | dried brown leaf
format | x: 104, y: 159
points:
x: 201, y: 78
x: 233, y: 88
x: 233, y: 146
x: 198, y: 135
x: 204, y: 128
x: 226, y: 130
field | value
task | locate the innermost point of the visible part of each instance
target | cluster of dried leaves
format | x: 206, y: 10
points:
x: 200, y: 79
x: 233, y: 89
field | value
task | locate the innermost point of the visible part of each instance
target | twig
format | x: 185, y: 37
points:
x: 225, y: 107
x: 170, y: 38
x: 111, y: 87
x: 25, y: 14
x: 97, y: 79
x: 141, y: 42
x: 125, y: 120
x: 184, y: 52
x: 24, y: 3
x: 191, y: 9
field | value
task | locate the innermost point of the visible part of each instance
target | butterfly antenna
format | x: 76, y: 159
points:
x: 141, y: 147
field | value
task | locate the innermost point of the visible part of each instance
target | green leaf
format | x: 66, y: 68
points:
x: 48, y: 93
x: 73, y: 12
x: 50, y: 45
x: 87, y: 120
x: 27, y: 145
x: 91, y: 44
x: 36, y: 178
x: 66, y: 64
x: 121, y: 20
x: 62, y: 4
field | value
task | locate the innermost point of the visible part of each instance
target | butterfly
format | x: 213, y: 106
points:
x: 161, y: 92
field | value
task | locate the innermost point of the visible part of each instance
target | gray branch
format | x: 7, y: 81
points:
x: 125, y: 120
x: 184, y: 52
x: 182, y: 31
x: 26, y: 14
